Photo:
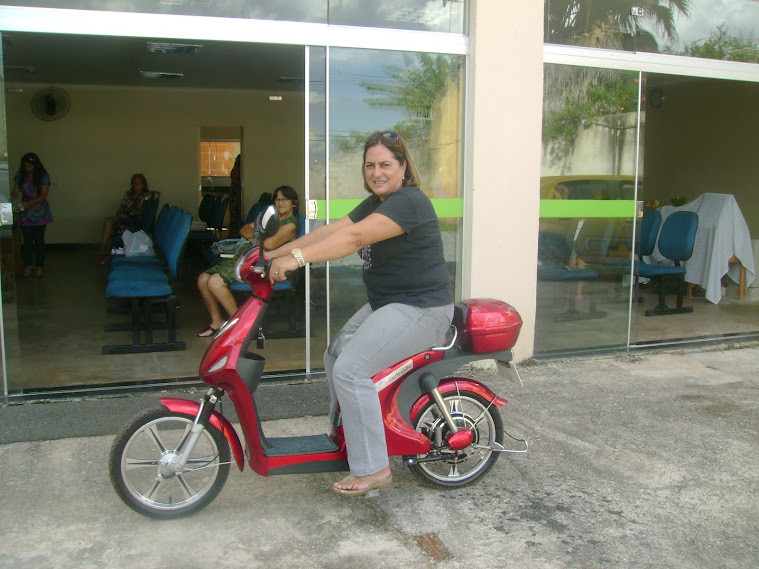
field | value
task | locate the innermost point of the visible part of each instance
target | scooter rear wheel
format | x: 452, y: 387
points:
x: 145, y: 473
x: 455, y: 469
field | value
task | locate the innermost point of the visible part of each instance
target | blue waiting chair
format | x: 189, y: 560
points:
x: 553, y: 255
x: 146, y: 286
x: 675, y: 242
x: 212, y: 210
x: 149, y: 212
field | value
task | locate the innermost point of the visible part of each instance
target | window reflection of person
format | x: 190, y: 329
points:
x: 561, y: 192
x: 558, y: 192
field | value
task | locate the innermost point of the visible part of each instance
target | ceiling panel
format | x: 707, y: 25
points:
x: 58, y: 59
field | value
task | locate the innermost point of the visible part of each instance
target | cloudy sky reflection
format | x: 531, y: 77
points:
x: 740, y: 16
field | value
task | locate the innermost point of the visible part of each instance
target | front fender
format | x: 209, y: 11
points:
x: 452, y: 385
x: 190, y: 408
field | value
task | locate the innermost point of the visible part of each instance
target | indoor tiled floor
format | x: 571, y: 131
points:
x: 730, y: 316
x: 61, y: 319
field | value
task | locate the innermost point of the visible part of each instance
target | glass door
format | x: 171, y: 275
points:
x: 696, y: 135
x: 592, y: 177
x: 316, y: 302
x: 10, y: 360
x: 418, y: 95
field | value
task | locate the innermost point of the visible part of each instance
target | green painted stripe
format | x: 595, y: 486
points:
x: 454, y: 207
x: 444, y: 207
x: 587, y: 208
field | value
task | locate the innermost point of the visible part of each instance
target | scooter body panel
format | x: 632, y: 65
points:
x: 225, y: 365
x: 190, y: 408
x: 401, y: 438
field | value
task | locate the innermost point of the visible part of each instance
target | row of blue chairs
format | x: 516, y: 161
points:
x: 593, y: 243
x: 144, y: 282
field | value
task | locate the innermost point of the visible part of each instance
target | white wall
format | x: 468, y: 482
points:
x: 505, y: 102
x: 111, y: 133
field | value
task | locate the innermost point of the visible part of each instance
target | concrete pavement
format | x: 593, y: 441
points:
x: 636, y: 461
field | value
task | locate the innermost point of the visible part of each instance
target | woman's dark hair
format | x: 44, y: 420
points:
x: 289, y: 193
x: 139, y: 177
x: 394, y: 143
x: 37, y: 171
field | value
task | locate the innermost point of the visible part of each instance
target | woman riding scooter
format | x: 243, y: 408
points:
x: 410, y: 304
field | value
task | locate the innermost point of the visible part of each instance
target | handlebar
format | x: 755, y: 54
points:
x: 264, y: 268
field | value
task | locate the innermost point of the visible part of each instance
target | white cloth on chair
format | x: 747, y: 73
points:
x: 722, y: 233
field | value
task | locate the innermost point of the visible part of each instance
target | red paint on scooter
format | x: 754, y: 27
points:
x: 190, y: 408
x: 453, y: 385
x: 461, y: 439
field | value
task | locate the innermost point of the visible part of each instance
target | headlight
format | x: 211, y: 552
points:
x: 218, y: 365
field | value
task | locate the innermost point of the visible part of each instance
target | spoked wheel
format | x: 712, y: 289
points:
x: 458, y: 468
x: 146, y: 471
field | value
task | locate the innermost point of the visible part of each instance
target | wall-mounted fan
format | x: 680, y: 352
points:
x: 51, y: 104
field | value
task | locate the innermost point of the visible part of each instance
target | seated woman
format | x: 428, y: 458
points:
x: 213, y: 284
x: 129, y: 215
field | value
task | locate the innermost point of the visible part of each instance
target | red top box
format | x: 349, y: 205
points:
x: 487, y: 325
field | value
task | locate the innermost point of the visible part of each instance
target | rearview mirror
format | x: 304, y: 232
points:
x: 268, y: 223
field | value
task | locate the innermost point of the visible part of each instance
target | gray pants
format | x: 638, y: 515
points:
x: 367, y: 344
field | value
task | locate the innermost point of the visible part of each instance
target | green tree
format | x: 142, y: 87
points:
x: 605, y: 23
x: 605, y: 103
x: 415, y: 88
x: 723, y: 46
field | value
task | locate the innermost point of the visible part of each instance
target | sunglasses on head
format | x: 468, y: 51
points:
x: 390, y: 135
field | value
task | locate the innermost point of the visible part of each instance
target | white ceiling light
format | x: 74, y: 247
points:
x: 178, y: 48
x: 160, y: 75
x: 25, y: 68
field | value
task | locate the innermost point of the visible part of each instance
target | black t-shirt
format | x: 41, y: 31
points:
x: 410, y: 268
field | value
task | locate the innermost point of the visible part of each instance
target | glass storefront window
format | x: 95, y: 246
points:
x: 724, y: 30
x: 427, y: 15
x: 589, y: 295
x: 588, y: 192
x: 421, y: 97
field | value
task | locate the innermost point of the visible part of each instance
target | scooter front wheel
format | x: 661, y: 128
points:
x: 146, y: 470
x: 447, y: 468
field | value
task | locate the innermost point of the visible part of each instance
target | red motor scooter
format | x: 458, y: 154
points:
x: 174, y: 459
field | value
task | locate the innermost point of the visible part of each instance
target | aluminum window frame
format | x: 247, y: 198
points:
x: 650, y: 63
x: 130, y: 24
